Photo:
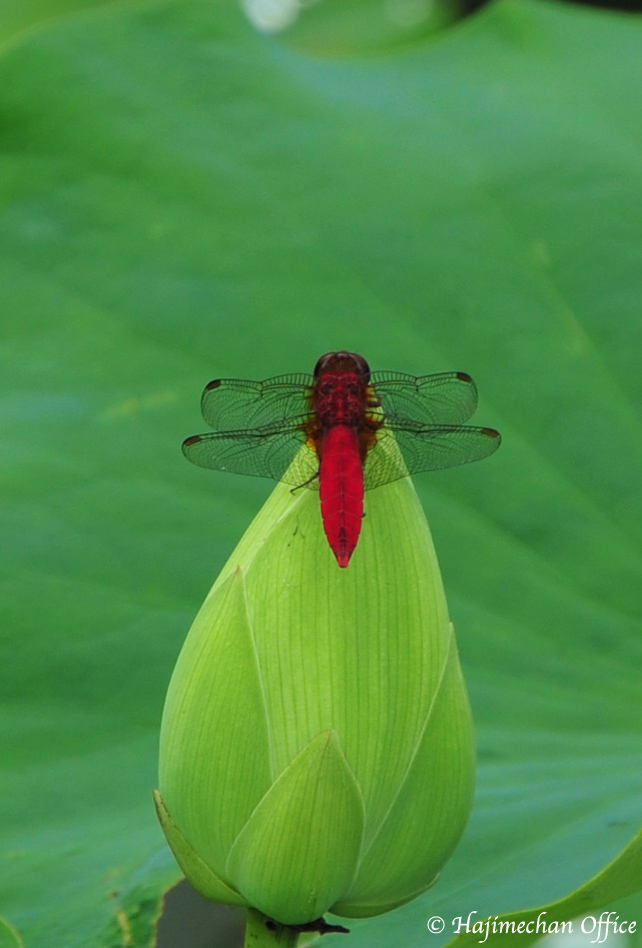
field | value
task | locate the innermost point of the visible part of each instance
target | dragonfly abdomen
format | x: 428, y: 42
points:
x: 341, y: 486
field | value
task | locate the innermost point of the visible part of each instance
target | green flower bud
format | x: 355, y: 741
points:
x: 317, y: 747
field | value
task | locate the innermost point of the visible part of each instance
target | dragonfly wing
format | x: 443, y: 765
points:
x: 449, y: 398
x: 234, y: 404
x: 399, y: 452
x: 281, y: 455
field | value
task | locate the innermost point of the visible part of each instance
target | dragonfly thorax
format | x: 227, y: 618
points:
x: 341, y: 399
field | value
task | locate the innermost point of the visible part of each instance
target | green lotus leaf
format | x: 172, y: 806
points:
x: 622, y: 877
x: 183, y: 198
x: 18, y: 18
x: 338, y: 28
x: 9, y: 937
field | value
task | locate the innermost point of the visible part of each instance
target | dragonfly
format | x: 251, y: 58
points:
x: 342, y: 430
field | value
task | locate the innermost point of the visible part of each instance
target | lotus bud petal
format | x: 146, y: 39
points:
x: 317, y: 747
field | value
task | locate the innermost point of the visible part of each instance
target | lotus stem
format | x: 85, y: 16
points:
x: 264, y: 932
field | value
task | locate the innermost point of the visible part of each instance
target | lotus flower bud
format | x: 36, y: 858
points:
x: 316, y: 746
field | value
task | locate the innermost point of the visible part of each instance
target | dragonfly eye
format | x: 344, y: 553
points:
x: 362, y: 367
x: 342, y: 362
x: 320, y: 367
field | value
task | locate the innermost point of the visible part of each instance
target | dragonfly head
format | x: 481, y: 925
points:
x: 342, y: 362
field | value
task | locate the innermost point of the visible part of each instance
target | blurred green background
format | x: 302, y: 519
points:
x: 184, y: 197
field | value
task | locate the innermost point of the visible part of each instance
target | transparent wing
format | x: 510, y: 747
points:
x: 399, y: 452
x: 238, y: 404
x: 282, y: 455
x: 449, y: 398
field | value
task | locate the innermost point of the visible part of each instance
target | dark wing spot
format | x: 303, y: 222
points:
x: 213, y: 384
x: 194, y: 439
x: 491, y: 433
x: 464, y: 377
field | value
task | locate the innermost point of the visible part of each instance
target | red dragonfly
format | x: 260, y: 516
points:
x: 342, y: 430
